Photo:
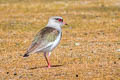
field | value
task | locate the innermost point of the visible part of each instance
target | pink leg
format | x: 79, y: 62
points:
x: 47, y: 59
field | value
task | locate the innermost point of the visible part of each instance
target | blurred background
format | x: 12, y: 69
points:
x: 89, y: 45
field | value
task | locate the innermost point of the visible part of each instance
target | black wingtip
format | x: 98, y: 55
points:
x: 25, y: 55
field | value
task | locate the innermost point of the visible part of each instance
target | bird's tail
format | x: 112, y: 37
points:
x: 26, y: 54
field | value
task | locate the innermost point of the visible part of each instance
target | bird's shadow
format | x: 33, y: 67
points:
x: 52, y: 66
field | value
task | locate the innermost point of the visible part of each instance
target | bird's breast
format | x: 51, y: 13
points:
x: 56, y: 42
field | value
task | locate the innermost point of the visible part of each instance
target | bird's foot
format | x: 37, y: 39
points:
x: 49, y: 66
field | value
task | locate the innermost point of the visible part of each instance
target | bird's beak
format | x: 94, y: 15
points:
x: 65, y: 23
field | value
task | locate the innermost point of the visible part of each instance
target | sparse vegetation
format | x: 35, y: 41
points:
x: 93, y: 24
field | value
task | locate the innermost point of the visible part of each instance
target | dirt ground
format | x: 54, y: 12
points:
x: 89, y: 48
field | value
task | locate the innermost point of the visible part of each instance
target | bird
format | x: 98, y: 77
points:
x: 47, y: 39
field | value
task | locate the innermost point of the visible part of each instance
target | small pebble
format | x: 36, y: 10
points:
x: 114, y: 62
x: 92, y: 51
x: 76, y: 75
x: 15, y: 73
x: 77, y: 44
x: 118, y: 50
x: 7, y: 72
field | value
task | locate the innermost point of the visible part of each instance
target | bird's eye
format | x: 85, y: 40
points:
x: 60, y: 20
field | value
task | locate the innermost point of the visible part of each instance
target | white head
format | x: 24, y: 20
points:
x: 56, y: 21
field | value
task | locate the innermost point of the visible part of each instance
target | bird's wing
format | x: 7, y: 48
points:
x: 43, y: 39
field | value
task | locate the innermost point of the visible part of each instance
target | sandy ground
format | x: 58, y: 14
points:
x: 88, y: 49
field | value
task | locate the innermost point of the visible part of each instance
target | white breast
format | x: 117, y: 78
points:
x: 56, y: 42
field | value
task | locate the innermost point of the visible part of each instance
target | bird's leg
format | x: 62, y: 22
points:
x: 49, y: 65
x: 49, y: 54
x: 47, y: 59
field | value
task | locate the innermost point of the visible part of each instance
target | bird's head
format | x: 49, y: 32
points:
x: 56, y: 21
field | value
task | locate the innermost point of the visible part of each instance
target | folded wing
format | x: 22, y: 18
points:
x: 43, y: 39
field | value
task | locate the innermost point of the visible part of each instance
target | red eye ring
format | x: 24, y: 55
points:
x: 60, y: 20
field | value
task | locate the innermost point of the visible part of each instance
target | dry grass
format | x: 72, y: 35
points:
x: 88, y: 47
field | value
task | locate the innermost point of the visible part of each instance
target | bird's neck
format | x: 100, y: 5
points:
x: 54, y: 25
